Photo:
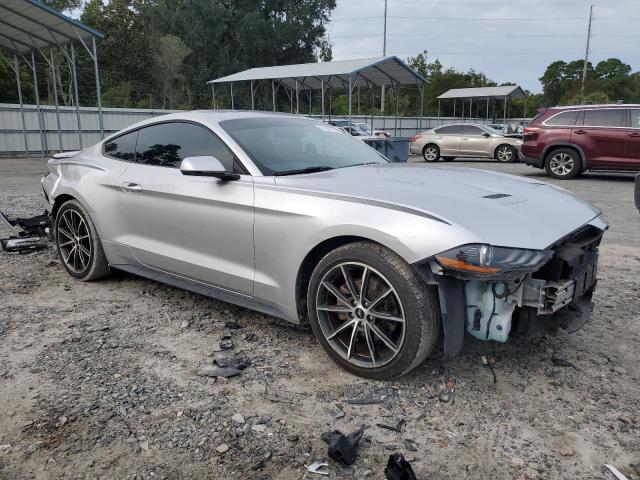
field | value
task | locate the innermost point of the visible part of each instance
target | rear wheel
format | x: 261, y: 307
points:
x: 370, y: 312
x: 563, y: 163
x: 431, y: 153
x: 505, y: 153
x: 78, y: 244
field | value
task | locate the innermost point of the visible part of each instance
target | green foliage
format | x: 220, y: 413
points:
x: 8, y: 89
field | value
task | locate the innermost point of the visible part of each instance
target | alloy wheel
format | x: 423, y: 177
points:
x: 360, y: 314
x: 74, y: 242
x: 505, y: 154
x: 561, y: 164
x: 430, y: 154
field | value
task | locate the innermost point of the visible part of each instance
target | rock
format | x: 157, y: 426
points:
x: 444, y: 398
x: 6, y: 448
x: 184, y: 325
x: 222, y: 448
x: 226, y: 344
x: 259, y: 427
x: 66, y: 287
x: 238, y: 418
x: 208, y: 370
x: 250, y: 337
x: 144, y: 445
x: 345, y: 472
x: 3, y: 372
x: 62, y: 420
x: 293, y: 437
x: 231, y: 325
x: 516, y: 462
x: 264, y: 419
x: 566, y: 451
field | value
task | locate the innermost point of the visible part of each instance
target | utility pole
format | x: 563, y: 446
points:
x: 384, y: 54
x: 586, y: 53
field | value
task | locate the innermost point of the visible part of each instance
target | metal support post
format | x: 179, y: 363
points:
x: 350, y: 80
x: 322, y: 96
x: 231, y: 87
x: 213, y: 96
x: 273, y: 95
x: 55, y: 100
x: 24, y: 122
x: 43, y: 139
x: 297, y: 98
x: 97, y: 74
x: 252, y: 104
x: 75, y: 94
x: 395, y: 125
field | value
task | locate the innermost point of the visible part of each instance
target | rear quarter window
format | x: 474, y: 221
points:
x: 606, y: 117
x: 567, y: 118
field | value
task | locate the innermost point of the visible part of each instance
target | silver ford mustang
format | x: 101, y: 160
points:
x: 294, y: 218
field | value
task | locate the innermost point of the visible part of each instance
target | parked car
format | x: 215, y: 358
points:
x: 566, y: 141
x: 288, y: 216
x: 464, y: 140
x: 371, y: 131
x: 636, y: 192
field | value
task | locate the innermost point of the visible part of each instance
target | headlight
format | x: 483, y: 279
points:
x: 490, y: 260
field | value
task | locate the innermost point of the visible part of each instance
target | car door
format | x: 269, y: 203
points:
x: 196, y: 227
x: 448, y: 139
x: 632, y: 151
x: 473, y: 143
x: 602, y: 136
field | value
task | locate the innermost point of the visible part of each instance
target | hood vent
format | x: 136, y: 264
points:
x: 494, y: 196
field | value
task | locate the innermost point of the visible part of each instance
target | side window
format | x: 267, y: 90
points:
x: 122, y: 147
x: 471, y: 130
x: 167, y: 144
x: 608, y: 117
x: 634, y: 118
x: 567, y: 118
x: 449, y: 130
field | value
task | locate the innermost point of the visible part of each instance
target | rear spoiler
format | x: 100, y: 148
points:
x: 70, y: 154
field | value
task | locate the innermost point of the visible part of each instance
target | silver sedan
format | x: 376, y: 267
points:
x: 465, y: 140
x: 293, y: 218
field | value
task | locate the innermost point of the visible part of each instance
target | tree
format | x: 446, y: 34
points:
x: 64, y: 5
x: 8, y: 87
x: 169, y: 57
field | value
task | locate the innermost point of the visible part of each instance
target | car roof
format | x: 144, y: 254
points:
x: 599, y: 105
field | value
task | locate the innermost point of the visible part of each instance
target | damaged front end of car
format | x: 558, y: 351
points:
x: 492, y: 292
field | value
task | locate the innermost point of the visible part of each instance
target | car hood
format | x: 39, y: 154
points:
x: 497, y: 208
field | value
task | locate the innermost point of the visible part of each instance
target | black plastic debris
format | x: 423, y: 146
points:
x: 28, y: 233
x: 226, y: 344
x: 341, y: 448
x: 398, y: 468
x: 561, y: 362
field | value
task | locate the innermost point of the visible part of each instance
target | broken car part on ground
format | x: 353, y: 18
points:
x: 28, y: 233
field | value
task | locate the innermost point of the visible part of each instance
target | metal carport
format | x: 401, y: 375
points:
x: 29, y: 27
x: 488, y: 93
x: 347, y: 74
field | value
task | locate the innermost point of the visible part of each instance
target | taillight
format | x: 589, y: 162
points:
x: 415, y: 137
x: 529, y: 133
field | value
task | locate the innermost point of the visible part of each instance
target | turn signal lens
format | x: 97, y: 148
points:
x: 489, y: 260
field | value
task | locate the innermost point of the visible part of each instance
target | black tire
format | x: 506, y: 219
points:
x: 448, y: 159
x: 90, y: 266
x: 563, y: 163
x: 431, y: 152
x: 419, y: 308
x: 505, y: 153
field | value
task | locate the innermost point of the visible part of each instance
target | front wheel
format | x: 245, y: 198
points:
x: 371, y: 313
x: 505, y: 153
x: 78, y: 244
x: 563, y: 163
x: 431, y: 153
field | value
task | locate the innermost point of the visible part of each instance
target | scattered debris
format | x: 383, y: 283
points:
x: 208, y: 370
x: 231, y: 325
x: 362, y: 401
x: 561, y: 362
x: 615, y: 472
x: 226, y: 343
x: 341, y: 448
x: 238, y: 360
x: 238, y: 418
x: 250, y: 337
x: 6, y: 448
x: 28, y: 233
x: 410, y: 445
x: 224, y: 448
x: 489, y: 363
x: 398, y: 468
x: 318, y: 468
x: 397, y: 428
x: 184, y: 325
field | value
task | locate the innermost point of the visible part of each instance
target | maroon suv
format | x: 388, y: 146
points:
x: 568, y: 140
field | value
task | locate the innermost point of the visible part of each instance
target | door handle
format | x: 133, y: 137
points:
x: 580, y: 132
x: 634, y: 134
x: 131, y: 187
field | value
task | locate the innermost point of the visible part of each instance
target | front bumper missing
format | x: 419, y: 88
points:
x: 535, y: 303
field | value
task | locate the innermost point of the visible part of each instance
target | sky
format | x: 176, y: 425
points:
x: 508, y: 40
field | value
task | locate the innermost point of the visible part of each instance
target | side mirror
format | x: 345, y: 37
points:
x: 206, y: 166
x: 486, y: 134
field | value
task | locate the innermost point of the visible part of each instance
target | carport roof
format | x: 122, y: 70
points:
x: 363, y: 71
x: 28, y: 24
x: 508, y: 91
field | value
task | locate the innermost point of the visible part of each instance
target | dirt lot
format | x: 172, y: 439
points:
x: 97, y: 380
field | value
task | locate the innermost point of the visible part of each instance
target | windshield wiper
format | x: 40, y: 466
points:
x: 319, y: 168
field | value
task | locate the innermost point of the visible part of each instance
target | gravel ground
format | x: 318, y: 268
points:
x: 98, y: 380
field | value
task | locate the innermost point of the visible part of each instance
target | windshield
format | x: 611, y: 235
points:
x: 282, y: 145
x: 492, y: 130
